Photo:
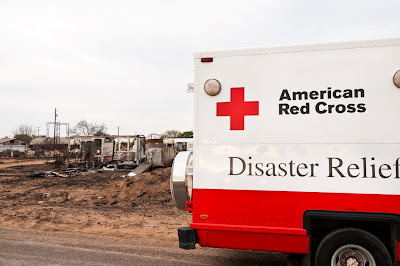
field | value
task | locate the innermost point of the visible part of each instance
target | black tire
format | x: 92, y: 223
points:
x: 350, y: 243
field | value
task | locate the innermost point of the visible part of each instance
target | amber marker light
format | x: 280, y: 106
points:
x: 203, y: 216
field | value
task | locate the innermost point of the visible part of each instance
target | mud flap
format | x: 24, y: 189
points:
x: 187, y: 238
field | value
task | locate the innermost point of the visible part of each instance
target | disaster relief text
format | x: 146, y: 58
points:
x: 336, y: 167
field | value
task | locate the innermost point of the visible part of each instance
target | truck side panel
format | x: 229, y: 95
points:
x: 322, y: 133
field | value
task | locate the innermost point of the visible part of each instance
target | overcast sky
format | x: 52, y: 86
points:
x: 127, y: 63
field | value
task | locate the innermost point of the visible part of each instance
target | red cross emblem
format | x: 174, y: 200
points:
x: 237, y: 108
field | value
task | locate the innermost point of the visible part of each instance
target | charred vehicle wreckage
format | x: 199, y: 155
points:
x: 111, y: 153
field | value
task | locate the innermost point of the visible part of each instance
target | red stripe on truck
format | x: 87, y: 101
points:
x: 272, y: 220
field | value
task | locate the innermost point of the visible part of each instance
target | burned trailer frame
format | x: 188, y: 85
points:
x: 133, y: 155
x: 126, y: 151
x: 102, y: 150
x: 159, y: 153
x: 180, y: 144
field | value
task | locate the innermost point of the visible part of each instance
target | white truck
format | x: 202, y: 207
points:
x: 297, y: 150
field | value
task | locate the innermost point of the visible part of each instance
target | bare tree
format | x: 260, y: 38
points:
x: 24, y: 132
x: 23, y: 129
x: 100, y: 130
x: 84, y: 128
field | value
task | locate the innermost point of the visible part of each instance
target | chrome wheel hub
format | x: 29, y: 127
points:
x: 352, y: 255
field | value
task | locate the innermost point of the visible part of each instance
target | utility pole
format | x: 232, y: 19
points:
x: 56, y: 133
x: 55, y: 128
x: 119, y: 142
x: 38, y: 131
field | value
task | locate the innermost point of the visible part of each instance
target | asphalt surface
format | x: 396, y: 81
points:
x: 23, y: 247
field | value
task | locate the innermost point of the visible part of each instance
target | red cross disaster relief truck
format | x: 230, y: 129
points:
x: 296, y: 150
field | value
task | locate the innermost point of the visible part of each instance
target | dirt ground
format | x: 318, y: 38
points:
x: 96, y: 203
x: 11, y: 162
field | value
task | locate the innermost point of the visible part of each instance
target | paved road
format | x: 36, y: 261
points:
x: 21, y: 247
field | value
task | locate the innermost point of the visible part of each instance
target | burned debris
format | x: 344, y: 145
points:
x: 69, y: 172
x: 134, y: 153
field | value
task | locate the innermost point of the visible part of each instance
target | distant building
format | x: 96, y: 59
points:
x: 13, y: 145
x: 47, y: 144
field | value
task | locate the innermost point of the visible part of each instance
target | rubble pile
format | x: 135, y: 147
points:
x: 151, y: 188
x: 62, y: 172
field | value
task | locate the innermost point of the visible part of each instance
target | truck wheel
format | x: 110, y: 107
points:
x: 351, y: 246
